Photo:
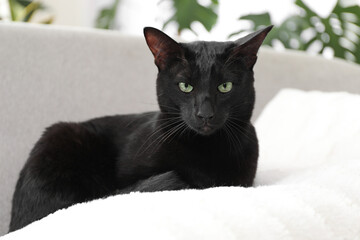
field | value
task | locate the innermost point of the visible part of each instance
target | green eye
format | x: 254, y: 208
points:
x: 185, y: 87
x: 225, y: 87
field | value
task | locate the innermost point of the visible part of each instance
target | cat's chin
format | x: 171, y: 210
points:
x: 205, y: 130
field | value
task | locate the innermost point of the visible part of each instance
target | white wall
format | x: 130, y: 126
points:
x: 70, y: 12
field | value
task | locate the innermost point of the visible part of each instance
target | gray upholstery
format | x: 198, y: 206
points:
x: 292, y: 69
x: 48, y: 74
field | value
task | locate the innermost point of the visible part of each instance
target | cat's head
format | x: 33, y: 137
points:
x: 206, y: 83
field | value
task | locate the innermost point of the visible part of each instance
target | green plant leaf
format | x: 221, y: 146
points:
x: 189, y: 11
x: 24, y: 10
x: 16, y: 9
x: 340, y: 31
x: 24, y: 3
x: 258, y: 20
x: 30, y: 9
x: 48, y: 20
x: 106, y: 18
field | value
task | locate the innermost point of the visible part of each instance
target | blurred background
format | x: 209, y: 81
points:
x: 327, y: 27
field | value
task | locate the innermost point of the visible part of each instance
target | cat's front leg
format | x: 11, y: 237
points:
x: 162, y: 182
x: 196, y: 178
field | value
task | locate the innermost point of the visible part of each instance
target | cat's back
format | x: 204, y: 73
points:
x: 71, y: 163
x: 91, y: 147
x: 119, y: 125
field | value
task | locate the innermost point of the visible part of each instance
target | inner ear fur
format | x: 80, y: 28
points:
x: 163, y: 47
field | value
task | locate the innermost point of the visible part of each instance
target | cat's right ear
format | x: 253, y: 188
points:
x: 163, y: 47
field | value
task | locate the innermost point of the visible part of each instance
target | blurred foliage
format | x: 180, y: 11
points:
x: 339, y: 31
x: 189, y: 11
x: 24, y: 10
x: 107, y: 16
x: 185, y: 13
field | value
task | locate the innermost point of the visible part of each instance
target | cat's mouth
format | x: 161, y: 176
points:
x: 206, y: 129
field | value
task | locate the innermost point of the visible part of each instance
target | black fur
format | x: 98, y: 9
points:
x: 199, y: 139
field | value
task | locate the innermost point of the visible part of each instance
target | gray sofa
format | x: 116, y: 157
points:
x: 50, y: 74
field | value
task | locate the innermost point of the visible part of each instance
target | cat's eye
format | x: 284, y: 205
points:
x: 225, y: 87
x: 185, y: 87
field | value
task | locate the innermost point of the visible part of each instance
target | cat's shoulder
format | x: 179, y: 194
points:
x: 116, y: 122
x: 122, y: 119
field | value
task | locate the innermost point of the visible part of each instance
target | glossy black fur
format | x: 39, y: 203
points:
x: 198, y: 140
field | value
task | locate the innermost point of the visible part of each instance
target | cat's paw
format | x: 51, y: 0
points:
x: 161, y: 182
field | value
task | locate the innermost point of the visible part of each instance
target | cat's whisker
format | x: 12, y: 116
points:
x: 175, y: 129
x: 168, y: 112
x: 234, y: 117
x: 179, y: 132
x: 236, y: 141
x: 240, y: 105
x: 235, y: 122
x: 239, y: 120
x: 241, y: 148
x: 172, y: 126
x: 243, y: 131
x: 160, y: 128
x: 162, y: 119
x: 138, y: 119
x: 177, y: 116
x: 164, y: 106
x: 169, y: 107
x: 163, y: 137
x: 240, y: 144
x: 186, y: 128
x: 228, y: 137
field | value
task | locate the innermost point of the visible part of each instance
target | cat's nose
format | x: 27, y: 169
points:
x: 205, y: 112
x: 204, y: 117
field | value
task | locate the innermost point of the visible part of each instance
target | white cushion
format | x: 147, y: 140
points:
x: 300, y: 130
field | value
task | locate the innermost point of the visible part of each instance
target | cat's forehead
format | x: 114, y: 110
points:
x: 207, y: 48
x: 204, y: 55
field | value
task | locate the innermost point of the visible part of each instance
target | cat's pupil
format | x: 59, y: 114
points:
x: 186, y: 85
x: 224, y: 85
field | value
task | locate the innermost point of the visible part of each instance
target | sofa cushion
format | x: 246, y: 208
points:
x: 302, y: 130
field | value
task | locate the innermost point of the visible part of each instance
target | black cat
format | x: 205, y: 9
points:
x: 201, y: 137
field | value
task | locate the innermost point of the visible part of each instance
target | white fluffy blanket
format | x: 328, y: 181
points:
x: 307, y: 187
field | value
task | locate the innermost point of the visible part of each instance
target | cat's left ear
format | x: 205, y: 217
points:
x: 163, y: 47
x: 248, y: 46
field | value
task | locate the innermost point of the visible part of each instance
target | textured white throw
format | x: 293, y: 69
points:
x: 307, y: 187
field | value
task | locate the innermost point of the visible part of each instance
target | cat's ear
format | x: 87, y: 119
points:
x: 163, y: 47
x: 248, y: 46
